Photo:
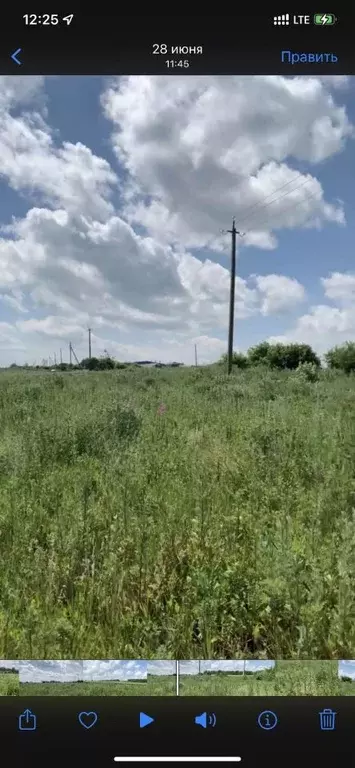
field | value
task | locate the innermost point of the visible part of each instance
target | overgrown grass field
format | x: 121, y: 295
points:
x: 287, y: 678
x: 9, y: 684
x: 152, y: 687
x: 177, y: 514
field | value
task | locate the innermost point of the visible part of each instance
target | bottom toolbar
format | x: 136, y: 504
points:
x: 99, y: 732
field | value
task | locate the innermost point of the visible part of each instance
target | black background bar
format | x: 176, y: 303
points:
x: 60, y: 740
x: 116, y: 44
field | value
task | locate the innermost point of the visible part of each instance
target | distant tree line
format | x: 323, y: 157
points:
x: 292, y: 356
x: 8, y: 670
x: 277, y: 356
x: 95, y: 364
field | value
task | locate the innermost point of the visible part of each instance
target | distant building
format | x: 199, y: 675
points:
x: 151, y: 364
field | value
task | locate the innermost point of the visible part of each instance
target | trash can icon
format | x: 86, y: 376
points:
x: 327, y: 720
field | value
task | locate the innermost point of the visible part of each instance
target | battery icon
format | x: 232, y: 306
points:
x: 324, y: 19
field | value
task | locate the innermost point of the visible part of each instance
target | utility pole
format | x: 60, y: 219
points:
x: 196, y: 355
x: 73, y: 353
x: 234, y: 232
x: 55, y: 359
x: 70, y: 353
x: 89, y: 331
x: 61, y: 356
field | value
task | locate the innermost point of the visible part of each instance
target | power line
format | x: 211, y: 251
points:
x: 300, y: 133
x: 262, y: 206
x: 257, y: 205
x: 300, y: 202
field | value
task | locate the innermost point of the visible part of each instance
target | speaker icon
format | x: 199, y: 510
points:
x: 206, y: 719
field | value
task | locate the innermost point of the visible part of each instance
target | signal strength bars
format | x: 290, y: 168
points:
x: 282, y: 20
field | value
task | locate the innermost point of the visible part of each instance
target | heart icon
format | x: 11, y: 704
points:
x: 87, y: 719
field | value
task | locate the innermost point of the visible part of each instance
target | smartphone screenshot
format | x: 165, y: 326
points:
x: 177, y: 388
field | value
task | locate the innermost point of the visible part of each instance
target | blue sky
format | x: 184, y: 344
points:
x: 113, y: 195
x: 347, y: 669
x: 161, y: 667
x: 115, y: 670
x: 35, y: 671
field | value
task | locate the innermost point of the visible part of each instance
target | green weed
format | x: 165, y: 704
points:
x: 221, y: 525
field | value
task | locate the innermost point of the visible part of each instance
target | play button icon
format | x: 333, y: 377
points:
x: 145, y: 720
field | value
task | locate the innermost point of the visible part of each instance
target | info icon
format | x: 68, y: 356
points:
x: 267, y: 720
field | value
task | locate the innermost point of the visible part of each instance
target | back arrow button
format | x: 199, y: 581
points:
x: 14, y: 56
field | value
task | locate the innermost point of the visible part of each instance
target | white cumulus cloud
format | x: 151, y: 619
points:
x: 326, y: 325
x: 50, y: 671
x: 113, y: 669
x: 279, y: 293
x: 201, y: 149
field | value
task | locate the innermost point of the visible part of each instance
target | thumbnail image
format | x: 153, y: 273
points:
x: 83, y: 678
x: 9, y: 677
x: 50, y: 678
x: 176, y: 483
x: 346, y: 672
x: 162, y: 678
x: 263, y: 678
x: 115, y: 678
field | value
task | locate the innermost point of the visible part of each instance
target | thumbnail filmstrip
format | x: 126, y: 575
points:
x: 117, y: 677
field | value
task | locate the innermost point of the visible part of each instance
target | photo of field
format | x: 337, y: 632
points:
x: 9, y: 678
x: 346, y: 674
x: 162, y: 678
x: 97, y: 678
x: 262, y: 678
x: 177, y: 371
x: 83, y: 678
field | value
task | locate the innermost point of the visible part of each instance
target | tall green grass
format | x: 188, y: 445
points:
x: 222, y: 526
x: 288, y: 678
x: 151, y: 687
x: 9, y: 684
